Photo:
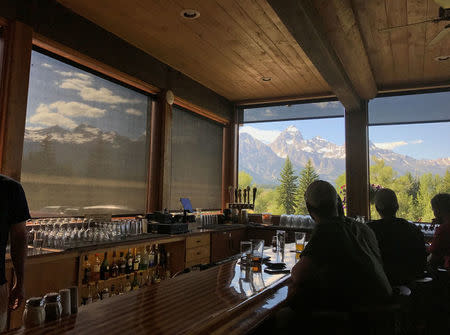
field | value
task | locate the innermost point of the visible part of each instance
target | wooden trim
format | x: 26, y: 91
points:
x: 14, y: 95
x: 150, y: 205
x: 357, y: 161
x: 201, y: 111
x: 411, y: 89
x: 305, y: 25
x: 288, y: 99
x: 227, y: 164
x: 166, y: 151
x: 77, y: 57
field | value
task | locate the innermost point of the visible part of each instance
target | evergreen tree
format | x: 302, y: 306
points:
x: 307, y: 176
x: 288, y: 188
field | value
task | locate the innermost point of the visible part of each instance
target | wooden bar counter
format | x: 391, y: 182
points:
x: 224, y: 299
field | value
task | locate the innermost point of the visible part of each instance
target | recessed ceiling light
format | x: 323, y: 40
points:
x: 442, y: 58
x: 190, y: 14
x: 266, y: 79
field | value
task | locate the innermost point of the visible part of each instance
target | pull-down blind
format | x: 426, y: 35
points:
x: 196, y: 161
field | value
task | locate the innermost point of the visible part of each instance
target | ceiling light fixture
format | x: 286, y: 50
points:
x: 190, y: 14
x: 442, y: 58
x: 266, y: 79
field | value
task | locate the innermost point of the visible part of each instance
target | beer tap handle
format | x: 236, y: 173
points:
x: 254, y: 195
x: 235, y: 195
x: 245, y: 195
x: 239, y: 195
x: 248, y: 194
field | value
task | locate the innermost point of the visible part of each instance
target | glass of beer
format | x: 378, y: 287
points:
x: 281, y: 234
x: 299, y: 241
x: 246, y: 251
x: 257, y: 251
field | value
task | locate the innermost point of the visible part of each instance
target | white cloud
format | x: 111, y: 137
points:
x: 327, y: 104
x: 265, y: 136
x: 47, y: 65
x: 74, y: 74
x: 133, y: 111
x: 393, y: 145
x: 76, y: 109
x: 44, y: 116
x: 83, y: 84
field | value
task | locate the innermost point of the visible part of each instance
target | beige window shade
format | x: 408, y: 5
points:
x: 196, y: 160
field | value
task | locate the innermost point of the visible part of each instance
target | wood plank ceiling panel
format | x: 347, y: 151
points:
x: 229, y: 48
x: 401, y: 58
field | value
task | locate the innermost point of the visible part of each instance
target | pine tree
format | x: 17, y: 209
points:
x: 307, y: 176
x: 288, y: 187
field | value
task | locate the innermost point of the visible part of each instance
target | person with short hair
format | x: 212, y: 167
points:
x: 440, y: 246
x: 13, y: 216
x: 401, y: 243
x: 341, y: 265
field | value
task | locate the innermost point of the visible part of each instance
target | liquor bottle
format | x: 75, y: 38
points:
x: 96, y: 293
x: 122, y: 264
x: 144, y: 260
x: 104, y: 268
x: 151, y: 257
x: 95, y: 274
x: 104, y: 293
x: 114, y: 268
x: 135, y: 283
x: 86, y: 270
x: 127, y: 286
x: 113, y: 290
x: 129, y: 259
x: 89, y: 296
x: 137, y: 260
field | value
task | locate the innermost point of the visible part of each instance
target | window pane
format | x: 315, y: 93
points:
x: 294, y: 112
x: 431, y: 107
x: 315, y: 149
x: 411, y: 159
x: 86, y: 142
x: 196, y: 161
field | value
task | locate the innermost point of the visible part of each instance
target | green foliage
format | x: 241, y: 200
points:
x: 288, y: 188
x: 244, y: 180
x: 307, y: 176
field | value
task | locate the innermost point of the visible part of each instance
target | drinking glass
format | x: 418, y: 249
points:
x: 274, y: 243
x: 246, y: 251
x: 281, y: 234
x: 257, y: 250
x: 299, y: 241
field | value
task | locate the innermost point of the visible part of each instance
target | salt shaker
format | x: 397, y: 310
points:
x: 52, y: 306
x: 34, y: 313
x: 65, y: 302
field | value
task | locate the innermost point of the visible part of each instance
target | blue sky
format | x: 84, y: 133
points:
x: 65, y: 96
x: 421, y: 141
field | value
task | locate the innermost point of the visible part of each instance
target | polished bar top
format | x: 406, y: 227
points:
x: 225, y: 299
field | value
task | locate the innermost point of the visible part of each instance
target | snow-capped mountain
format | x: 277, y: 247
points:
x: 258, y: 159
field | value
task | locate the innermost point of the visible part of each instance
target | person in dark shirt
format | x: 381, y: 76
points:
x: 440, y: 246
x: 341, y: 265
x: 401, y: 243
x: 13, y: 214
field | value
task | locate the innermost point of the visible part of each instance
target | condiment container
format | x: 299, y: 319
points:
x: 52, y: 305
x: 74, y: 299
x: 34, y: 313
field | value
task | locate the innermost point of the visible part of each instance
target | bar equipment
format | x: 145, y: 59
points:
x: 299, y: 241
x: 34, y: 313
x: 237, y: 207
x: 281, y: 234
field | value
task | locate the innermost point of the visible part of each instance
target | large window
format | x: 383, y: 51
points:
x: 282, y: 149
x: 86, y: 141
x: 196, y: 164
x: 413, y: 159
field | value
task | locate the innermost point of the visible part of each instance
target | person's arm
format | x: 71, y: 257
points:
x: 302, y: 272
x: 18, y: 255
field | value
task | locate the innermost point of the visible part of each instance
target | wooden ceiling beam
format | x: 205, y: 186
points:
x: 305, y: 25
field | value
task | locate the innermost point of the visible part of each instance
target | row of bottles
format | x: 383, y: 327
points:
x: 152, y: 258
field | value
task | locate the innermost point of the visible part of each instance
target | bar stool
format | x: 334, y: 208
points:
x: 422, y: 300
x: 376, y: 319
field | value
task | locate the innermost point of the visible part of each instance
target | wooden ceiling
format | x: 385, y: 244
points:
x: 234, y: 43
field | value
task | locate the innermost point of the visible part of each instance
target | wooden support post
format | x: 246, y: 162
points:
x: 357, y: 161
x: 229, y: 160
x: 160, y: 155
x: 14, y: 95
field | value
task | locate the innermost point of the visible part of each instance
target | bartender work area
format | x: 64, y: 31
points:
x: 224, y: 167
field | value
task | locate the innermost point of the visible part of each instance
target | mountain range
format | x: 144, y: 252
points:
x: 265, y: 161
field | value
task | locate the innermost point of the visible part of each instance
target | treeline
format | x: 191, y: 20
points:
x: 414, y: 192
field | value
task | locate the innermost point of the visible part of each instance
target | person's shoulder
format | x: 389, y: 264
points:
x: 6, y: 181
x: 374, y: 224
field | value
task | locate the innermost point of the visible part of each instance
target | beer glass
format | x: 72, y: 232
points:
x: 246, y: 251
x: 299, y: 241
x: 281, y: 234
x: 257, y: 250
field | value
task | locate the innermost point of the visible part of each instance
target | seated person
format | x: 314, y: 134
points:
x: 341, y: 265
x: 401, y: 243
x: 440, y: 246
